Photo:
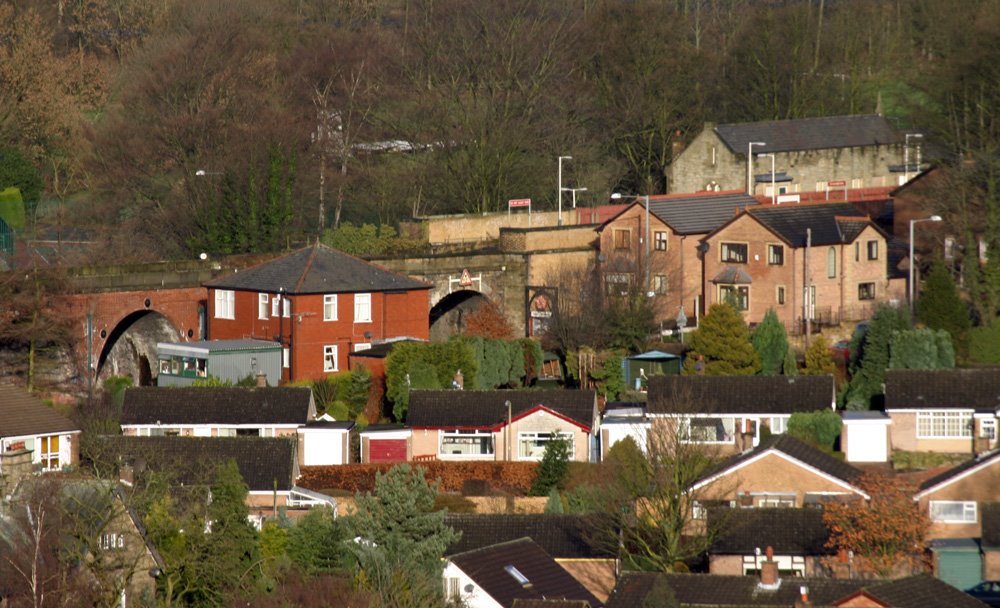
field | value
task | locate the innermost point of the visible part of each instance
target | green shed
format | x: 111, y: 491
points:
x: 653, y: 363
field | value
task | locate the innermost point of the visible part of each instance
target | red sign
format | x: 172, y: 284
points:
x: 519, y: 202
x: 466, y: 279
x: 837, y: 183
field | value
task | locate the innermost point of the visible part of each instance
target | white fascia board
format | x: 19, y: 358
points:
x: 794, y: 461
x: 947, y: 482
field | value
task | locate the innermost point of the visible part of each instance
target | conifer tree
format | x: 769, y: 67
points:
x: 723, y: 341
x: 553, y: 469
x: 819, y: 361
x: 941, y: 307
x: 770, y: 341
x: 868, y: 370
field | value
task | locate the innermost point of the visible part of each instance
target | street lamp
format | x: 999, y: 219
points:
x: 574, y: 191
x: 559, y: 189
x: 645, y: 203
x: 774, y: 190
x: 906, y: 154
x: 750, y: 146
x: 933, y: 218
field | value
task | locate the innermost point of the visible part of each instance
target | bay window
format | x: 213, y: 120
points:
x: 466, y: 443
x: 944, y: 425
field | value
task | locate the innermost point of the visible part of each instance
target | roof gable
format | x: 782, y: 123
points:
x: 699, y: 213
x: 23, y: 414
x: 314, y: 270
x: 488, y: 409
x: 823, y: 133
x: 942, y: 389
x: 958, y: 472
x: 211, y: 405
x: 820, y: 224
x: 739, y: 394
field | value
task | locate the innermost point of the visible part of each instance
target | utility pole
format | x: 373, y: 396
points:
x: 806, y: 301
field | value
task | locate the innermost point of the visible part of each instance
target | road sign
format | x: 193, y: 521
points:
x: 837, y: 183
x: 514, y: 203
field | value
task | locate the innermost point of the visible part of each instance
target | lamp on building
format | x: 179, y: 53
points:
x: 750, y: 146
x: 933, y: 218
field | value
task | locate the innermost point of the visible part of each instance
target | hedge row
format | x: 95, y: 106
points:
x: 513, y: 477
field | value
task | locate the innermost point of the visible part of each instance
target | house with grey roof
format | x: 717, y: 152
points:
x: 810, y: 155
x: 321, y: 305
x: 821, y: 263
x: 511, y: 425
x: 33, y: 436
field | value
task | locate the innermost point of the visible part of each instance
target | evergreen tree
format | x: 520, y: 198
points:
x: 921, y: 349
x: 318, y: 542
x: 941, y: 307
x: 868, y: 373
x: 554, y: 505
x: 790, y: 367
x: 552, y: 471
x: 770, y: 341
x: 724, y: 342
x: 232, y: 552
x: 984, y: 343
x: 819, y: 361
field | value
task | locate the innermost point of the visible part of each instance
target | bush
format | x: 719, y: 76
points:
x: 818, y: 428
x: 453, y: 503
x: 903, y: 460
x: 984, y: 343
x: 514, y: 477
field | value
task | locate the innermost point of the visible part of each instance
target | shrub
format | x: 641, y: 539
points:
x: 818, y: 428
x: 514, y: 477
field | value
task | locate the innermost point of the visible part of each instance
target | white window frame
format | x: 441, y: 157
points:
x: 660, y: 284
x: 541, y: 437
x: 660, y: 240
x: 286, y: 357
x: 362, y: 308
x: 775, y: 254
x: 968, y: 514
x: 470, y: 438
x: 225, y: 304
x: 873, y: 291
x: 328, y: 350
x: 50, y: 460
x: 742, y: 295
x: 775, y: 501
x: 684, y: 429
x: 730, y: 252
x: 262, y: 307
x: 276, y: 306
x: 944, y: 425
x: 778, y: 425
x: 360, y: 346
x: 330, y: 307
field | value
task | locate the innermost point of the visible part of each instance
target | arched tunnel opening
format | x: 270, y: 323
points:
x: 130, y: 348
x: 446, y: 318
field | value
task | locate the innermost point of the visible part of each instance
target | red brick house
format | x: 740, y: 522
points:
x: 321, y: 305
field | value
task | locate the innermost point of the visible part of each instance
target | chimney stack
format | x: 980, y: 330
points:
x: 261, y: 380
x: 769, y: 570
x: 459, y: 381
x: 803, y: 601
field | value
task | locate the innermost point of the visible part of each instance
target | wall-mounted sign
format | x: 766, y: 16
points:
x: 541, y: 308
x: 465, y: 280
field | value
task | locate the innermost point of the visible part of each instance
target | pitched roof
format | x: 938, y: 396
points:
x: 917, y: 591
x: 191, y: 460
x: 488, y: 409
x: 794, y: 449
x: 561, y: 536
x: 959, y: 471
x: 521, y: 603
x: 739, y: 394
x: 205, y: 405
x: 733, y: 276
x: 317, y: 269
x: 699, y: 213
x: 821, y: 133
x: 942, y: 388
x: 490, y: 568
x: 21, y: 414
x: 990, y: 513
x: 829, y: 223
x: 788, y: 531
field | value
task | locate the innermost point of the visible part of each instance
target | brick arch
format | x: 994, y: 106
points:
x: 452, y: 305
x: 123, y: 326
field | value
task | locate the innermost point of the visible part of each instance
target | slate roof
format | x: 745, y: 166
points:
x: 809, y: 133
x: 918, y: 591
x: 797, y: 450
x: 191, y: 460
x: 739, y: 394
x: 317, y: 269
x: 204, y: 405
x: 830, y: 223
x: 21, y: 414
x: 487, y: 409
x: 547, y: 579
x: 731, y: 275
x: 990, y: 513
x: 561, y: 536
x: 788, y: 531
x: 959, y: 470
x: 699, y: 214
x: 942, y: 389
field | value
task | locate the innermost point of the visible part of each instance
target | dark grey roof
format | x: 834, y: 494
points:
x: 990, y: 513
x: 731, y: 275
x: 217, y: 346
x: 192, y: 460
x: 826, y: 221
x: 809, y: 133
x: 739, y: 394
x: 699, y: 213
x: 788, y: 531
x: 21, y: 414
x: 317, y: 269
x: 487, y: 409
x: 204, y: 405
x: 984, y: 460
x: 917, y: 591
x: 797, y: 450
x: 942, y: 388
x: 488, y: 567
x: 331, y: 424
x: 561, y: 536
x: 766, y: 178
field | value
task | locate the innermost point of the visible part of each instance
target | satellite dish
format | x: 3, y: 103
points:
x: 469, y: 588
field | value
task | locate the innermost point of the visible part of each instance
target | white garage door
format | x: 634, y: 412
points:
x: 867, y: 443
x: 322, y: 449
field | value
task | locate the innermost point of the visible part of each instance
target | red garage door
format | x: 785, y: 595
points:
x: 387, y: 450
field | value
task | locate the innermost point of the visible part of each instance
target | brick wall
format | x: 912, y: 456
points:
x: 771, y: 473
x: 980, y: 487
x: 903, y: 436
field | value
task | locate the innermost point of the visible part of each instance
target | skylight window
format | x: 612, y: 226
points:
x: 518, y: 576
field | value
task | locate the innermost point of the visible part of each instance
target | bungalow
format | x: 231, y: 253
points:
x: 728, y: 413
x: 501, y: 425
x: 946, y: 410
x: 797, y: 536
x: 953, y: 498
x: 33, y: 435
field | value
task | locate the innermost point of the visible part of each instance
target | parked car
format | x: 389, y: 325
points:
x: 841, y: 350
x: 987, y: 592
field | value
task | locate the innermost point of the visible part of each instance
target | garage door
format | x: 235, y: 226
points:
x: 960, y: 563
x: 387, y: 450
x: 867, y: 443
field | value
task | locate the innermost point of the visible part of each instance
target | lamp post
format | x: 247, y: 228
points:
x: 574, y: 191
x: 774, y: 190
x: 559, y: 189
x: 645, y: 203
x: 750, y: 146
x: 906, y: 154
x: 933, y: 218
